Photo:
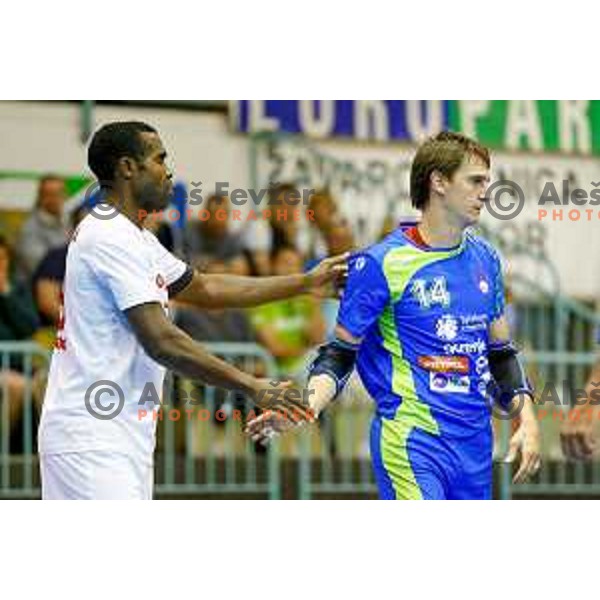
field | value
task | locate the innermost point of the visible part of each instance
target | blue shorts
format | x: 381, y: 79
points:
x: 411, y: 464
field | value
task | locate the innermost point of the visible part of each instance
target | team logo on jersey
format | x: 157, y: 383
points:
x: 446, y: 327
x: 360, y: 263
x: 484, y: 286
x: 160, y: 281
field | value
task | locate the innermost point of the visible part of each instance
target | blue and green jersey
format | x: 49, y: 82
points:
x: 424, y: 315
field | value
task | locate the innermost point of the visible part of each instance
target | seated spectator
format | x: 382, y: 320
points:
x: 325, y: 210
x: 289, y: 328
x: 282, y: 229
x: 18, y: 321
x: 163, y: 231
x: 212, y: 239
x: 326, y: 214
x: 337, y: 239
x: 18, y: 318
x: 48, y: 277
x: 45, y: 229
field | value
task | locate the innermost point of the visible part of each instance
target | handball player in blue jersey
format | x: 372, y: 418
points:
x: 422, y: 320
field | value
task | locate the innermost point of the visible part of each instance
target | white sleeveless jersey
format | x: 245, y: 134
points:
x: 99, y: 370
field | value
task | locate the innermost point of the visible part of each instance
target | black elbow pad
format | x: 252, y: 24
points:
x: 335, y: 359
x: 508, y: 372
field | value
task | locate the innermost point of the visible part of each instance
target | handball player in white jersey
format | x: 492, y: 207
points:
x: 115, y: 337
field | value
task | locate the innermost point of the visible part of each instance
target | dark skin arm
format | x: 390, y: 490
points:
x: 174, y: 349
x: 231, y: 291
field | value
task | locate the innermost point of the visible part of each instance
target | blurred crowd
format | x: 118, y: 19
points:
x: 32, y: 269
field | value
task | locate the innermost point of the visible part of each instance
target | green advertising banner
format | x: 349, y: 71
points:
x: 566, y: 126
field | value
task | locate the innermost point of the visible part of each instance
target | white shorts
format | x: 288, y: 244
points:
x: 95, y: 475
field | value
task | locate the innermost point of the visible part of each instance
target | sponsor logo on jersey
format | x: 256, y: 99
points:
x: 449, y: 383
x: 476, y: 347
x: 160, y: 281
x: 484, y: 286
x: 474, y: 322
x: 446, y: 327
x: 445, y: 364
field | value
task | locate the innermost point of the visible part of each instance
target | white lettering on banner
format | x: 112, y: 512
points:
x: 418, y: 128
x: 313, y: 124
x: 523, y: 121
x: 470, y: 111
x: 574, y: 126
x: 303, y: 165
x: 371, y: 120
x: 258, y: 119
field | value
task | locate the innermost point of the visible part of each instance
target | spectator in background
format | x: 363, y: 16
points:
x: 18, y: 318
x: 280, y: 230
x: 163, y: 232
x: 338, y: 238
x: 212, y: 239
x: 325, y: 210
x: 326, y: 216
x: 48, y: 277
x: 289, y: 328
x: 18, y: 321
x: 331, y: 235
x: 46, y: 228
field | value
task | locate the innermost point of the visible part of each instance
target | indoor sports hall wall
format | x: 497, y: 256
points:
x: 371, y: 180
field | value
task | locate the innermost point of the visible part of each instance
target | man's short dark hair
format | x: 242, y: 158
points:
x: 445, y: 153
x: 43, y: 180
x: 112, y: 142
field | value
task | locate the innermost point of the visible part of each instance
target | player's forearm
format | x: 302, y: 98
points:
x: 231, y: 291
x: 188, y: 358
x: 523, y: 407
x: 321, y: 392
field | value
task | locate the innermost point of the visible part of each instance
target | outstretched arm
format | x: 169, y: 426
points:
x: 329, y: 373
x: 171, y: 347
x: 231, y: 291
